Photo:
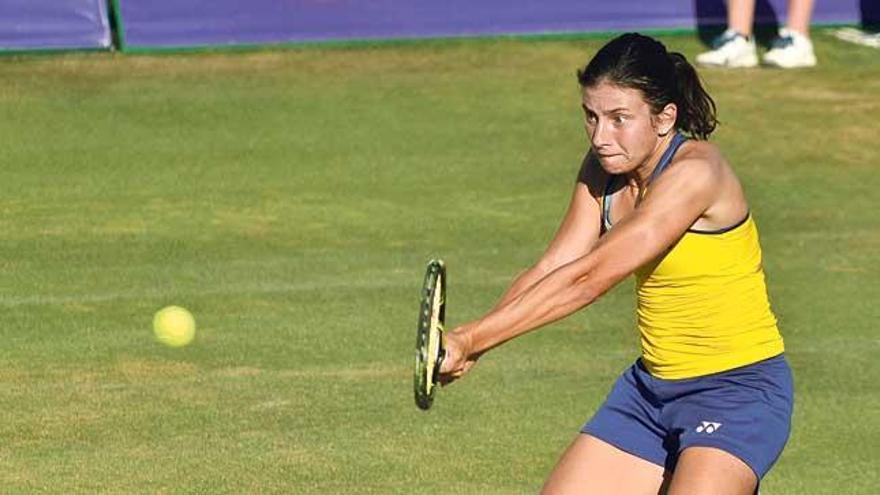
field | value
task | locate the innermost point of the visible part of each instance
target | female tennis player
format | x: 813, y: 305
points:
x: 707, y: 407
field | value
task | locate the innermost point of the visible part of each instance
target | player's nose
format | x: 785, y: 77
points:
x: 600, y: 137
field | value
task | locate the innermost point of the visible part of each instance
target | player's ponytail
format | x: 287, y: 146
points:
x: 635, y: 61
x: 696, y: 109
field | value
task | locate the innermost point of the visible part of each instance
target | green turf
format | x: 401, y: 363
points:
x: 291, y: 198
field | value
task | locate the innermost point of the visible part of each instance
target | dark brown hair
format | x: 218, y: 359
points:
x: 639, y: 62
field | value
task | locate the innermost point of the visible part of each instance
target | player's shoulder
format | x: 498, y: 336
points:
x: 698, y: 159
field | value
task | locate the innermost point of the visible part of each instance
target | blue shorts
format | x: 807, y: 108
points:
x: 744, y: 411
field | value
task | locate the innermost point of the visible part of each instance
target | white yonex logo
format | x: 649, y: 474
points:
x: 708, y: 427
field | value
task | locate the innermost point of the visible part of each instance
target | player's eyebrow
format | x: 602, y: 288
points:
x: 617, y: 110
x: 607, y: 112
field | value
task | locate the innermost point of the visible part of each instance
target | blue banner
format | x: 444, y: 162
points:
x: 181, y: 23
x: 53, y: 24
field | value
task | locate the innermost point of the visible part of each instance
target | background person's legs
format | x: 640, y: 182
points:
x: 741, y: 16
x: 799, y: 14
x: 735, y: 47
x: 793, y: 48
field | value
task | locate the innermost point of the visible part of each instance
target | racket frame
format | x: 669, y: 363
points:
x: 432, y: 313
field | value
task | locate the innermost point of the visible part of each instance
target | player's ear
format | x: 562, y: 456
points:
x: 665, y: 120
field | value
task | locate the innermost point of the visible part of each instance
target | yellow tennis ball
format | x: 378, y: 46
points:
x: 174, y: 326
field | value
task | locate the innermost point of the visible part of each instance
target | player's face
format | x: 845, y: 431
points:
x: 621, y: 126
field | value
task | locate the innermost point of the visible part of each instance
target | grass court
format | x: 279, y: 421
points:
x: 290, y: 200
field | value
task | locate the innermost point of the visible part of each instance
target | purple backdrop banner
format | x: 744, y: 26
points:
x: 175, y: 23
x: 53, y: 24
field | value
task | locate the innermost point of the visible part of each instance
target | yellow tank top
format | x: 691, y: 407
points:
x: 703, y: 305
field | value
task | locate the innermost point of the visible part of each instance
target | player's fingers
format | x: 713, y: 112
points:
x: 449, y: 362
x: 453, y: 359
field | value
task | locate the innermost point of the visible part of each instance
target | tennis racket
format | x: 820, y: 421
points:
x: 429, y: 334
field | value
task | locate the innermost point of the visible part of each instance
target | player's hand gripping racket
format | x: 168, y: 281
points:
x: 429, y: 335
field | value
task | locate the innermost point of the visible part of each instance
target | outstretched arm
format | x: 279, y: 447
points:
x: 576, y: 236
x: 675, y: 201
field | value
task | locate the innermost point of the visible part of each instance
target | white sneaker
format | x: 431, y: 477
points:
x: 730, y: 49
x: 790, y: 50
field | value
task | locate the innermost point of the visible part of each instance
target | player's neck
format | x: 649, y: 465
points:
x: 640, y: 176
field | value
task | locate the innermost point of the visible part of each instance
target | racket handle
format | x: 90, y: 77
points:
x: 440, y: 357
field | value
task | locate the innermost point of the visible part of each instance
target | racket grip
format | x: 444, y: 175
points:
x: 440, y: 357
